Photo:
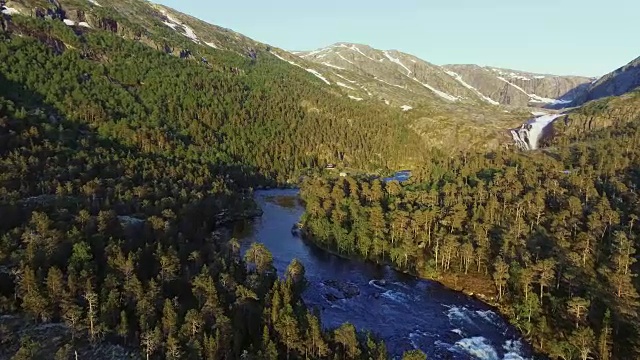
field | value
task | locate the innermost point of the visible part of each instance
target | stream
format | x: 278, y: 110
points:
x: 406, y: 312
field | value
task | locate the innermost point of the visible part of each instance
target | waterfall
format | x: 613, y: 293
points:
x: 528, y: 135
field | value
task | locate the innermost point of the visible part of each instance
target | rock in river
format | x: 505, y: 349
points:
x: 347, y: 290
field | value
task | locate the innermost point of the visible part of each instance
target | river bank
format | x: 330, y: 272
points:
x: 405, y: 311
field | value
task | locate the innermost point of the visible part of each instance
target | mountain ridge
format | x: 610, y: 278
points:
x: 618, y: 82
x: 453, y: 83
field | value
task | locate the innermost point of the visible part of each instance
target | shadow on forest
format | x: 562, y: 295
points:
x: 238, y: 178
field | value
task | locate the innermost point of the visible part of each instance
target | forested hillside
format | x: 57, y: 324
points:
x: 582, y: 122
x: 119, y: 166
x: 554, y: 234
x: 129, y: 139
x: 262, y: 113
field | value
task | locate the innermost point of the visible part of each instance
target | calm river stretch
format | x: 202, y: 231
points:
x: 406, y: 312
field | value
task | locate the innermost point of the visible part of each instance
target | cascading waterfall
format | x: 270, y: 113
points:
x: 528, y: 135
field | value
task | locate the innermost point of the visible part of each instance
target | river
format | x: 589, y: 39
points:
x: 405, y: 311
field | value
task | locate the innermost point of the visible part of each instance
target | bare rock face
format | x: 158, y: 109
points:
x: 519, y: 88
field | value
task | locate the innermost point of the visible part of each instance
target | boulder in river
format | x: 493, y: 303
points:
x: 347, y: 289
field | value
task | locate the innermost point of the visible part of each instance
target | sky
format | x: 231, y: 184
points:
x: 562, y: 37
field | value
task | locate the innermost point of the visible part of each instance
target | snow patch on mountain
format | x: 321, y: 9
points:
x: 345, y: 59
x: 442, y: 94
x: 285, y: 60
x: 388, y: 83
x: 94, y: 2
x: 543, y: 100
x: 69, y: 22
x: 171, y: 25
x: 533, y: 98
x: 312, y: 71
x: 397, y: 61
x: 9, y: 11
x: 314, y: 52
x: 345, y: 79
x: 357, y: 49
x: 403, y: 107
x: 512, y: 84
x: 190, y: 33
x: 175, y: 24
x: 344, y: 85
x: 318, y: 75
x: 461, y: 81
x: 210, y: 44
x: 333, y: 66
x: 84, y: 24
x: 513, y: 75
x: 355, y: 98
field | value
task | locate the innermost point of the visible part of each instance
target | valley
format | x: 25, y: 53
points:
x: 173, y: 189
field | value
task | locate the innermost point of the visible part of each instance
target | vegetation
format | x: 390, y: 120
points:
x: 579, y: 123
x: 120, y: 165
x: 269, y: 116
x: 554, y: 232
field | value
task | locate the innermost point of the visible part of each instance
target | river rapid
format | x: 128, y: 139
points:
x: 408, y: 313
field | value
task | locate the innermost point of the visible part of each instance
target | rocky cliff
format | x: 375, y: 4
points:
x: 519, y: 88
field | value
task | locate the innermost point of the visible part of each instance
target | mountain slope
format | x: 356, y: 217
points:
x: 618, y: 82
x: 580, y: 123
x: 409, y: 78
x: 228, y: 104
x: 394, y: 75
x: 518, y: 88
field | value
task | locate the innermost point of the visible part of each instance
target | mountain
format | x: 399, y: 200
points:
x: 519, y: 88
x: 394, y: 75
x: 406, y: 78
x: 236, y: 97
x: 618, y: 82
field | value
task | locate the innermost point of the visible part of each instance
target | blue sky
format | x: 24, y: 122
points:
x: 580, y: 37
